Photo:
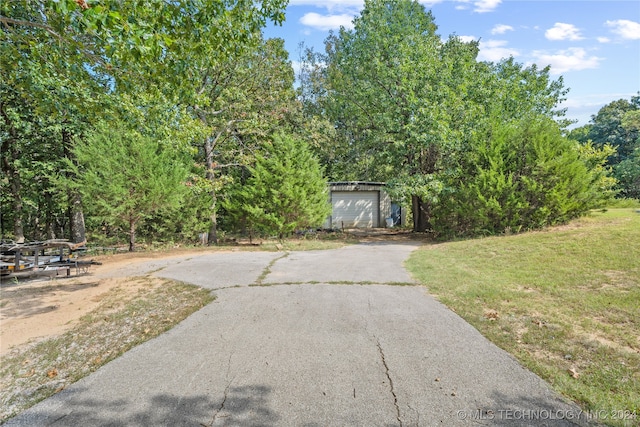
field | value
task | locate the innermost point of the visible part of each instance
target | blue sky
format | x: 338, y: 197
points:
x: 594, y: 45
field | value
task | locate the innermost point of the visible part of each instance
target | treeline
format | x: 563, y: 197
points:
x: 165, y: 120
x: 142, y: 118
x: 617, y: 125
x: 473, y: 147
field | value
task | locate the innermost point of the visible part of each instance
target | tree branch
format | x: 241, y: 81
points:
x: 5, y: 20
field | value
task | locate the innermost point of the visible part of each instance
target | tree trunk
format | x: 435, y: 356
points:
x: 77, y: 230
x: 76, y: 218
x: 421, y: 215
x: 16, y: 197
x: 213, y: 231
x: 18, y: 228
x: 211, y: 176
x: 132, y: 234
x: 9, y: 157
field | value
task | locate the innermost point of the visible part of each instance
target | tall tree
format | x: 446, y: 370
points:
x: 617, y: 124
x: 418, y: 112
x: 628, y: 170
x: 607, y: 128
x: 405, y: 103
x: 127, y: 175
x: 286, y: 190
x: 116, y: 47
x: 245, y: 100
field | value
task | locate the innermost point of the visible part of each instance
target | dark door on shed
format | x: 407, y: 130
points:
x: 396, y: 214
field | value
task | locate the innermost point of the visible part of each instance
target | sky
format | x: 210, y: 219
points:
x: 593, y: 44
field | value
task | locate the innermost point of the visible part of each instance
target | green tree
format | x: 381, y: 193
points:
x: 608, y: 128
x: 286, y: 190
x: 406, y: 105
x: 48, y: 97
x: 127, y: 176
x: 628, y: 170
x: 617, y: 124
x: 62, y: 56
x: 145, y: 42
x: 246, y: 99
x: 524, y: 175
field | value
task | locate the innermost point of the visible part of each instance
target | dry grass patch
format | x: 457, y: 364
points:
x: 122, y: 320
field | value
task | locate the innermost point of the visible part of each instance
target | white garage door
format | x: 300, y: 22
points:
x: 355, y: 209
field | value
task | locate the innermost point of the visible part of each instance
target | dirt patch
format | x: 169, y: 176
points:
x: 386, y: 235
x: 42, y: 309
x: 36, y: 309
x: 122, y: 319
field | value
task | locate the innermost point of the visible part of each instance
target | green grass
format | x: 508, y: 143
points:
x: 564, y: 301
x: 624, y: 203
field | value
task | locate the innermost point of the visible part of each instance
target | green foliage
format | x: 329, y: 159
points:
x: 627, y: 172
x: 67, y: 64
x: 286, y: 190
x: 617, y: 124
x: 144, y: 43
x: 608, y: 128
x: 524, y: 175
x: 445, y: 130
x: 126, y: 176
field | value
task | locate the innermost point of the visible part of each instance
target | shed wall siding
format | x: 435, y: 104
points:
x: 355, y: 209
x: 363, y: 196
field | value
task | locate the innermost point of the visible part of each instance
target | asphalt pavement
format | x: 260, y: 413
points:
x: 328, y: 338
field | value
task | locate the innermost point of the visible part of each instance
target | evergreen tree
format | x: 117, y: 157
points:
x: 286, y: 190
x: 524, y: 175
x: 125, y: 176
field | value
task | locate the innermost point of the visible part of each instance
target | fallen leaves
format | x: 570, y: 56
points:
x: 538, y: 323
x: 491, y: 315
x: 574, y: 373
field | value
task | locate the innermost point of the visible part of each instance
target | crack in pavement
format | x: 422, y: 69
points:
x: 267, y: 269
x: 220, y: 408
x: 224, y: 397
x: 330, y: 282
x: 391, y: 388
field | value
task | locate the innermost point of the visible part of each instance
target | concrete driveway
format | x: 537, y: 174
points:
x: 314, y: 347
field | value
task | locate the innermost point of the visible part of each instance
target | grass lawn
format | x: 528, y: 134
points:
x: 565, y: 302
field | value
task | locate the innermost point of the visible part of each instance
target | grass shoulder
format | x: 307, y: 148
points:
x: 565, y: 301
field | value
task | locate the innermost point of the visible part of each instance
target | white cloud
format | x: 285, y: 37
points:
x: 327, y: 22
x: 480, y: 6
x: 501, y: 29
x: 483, y: 6
x: 604, y: 39
x: 573, y: 59
x: 562, y: 31
x: 339, y: 6
x: 297, y: 66
x: 329, y: 4
x: 624, y: 28
x: 583, y: 107
x: 467, y: 39
x: 495, y: 50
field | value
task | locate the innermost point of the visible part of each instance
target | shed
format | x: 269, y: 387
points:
x: 358, y: 204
